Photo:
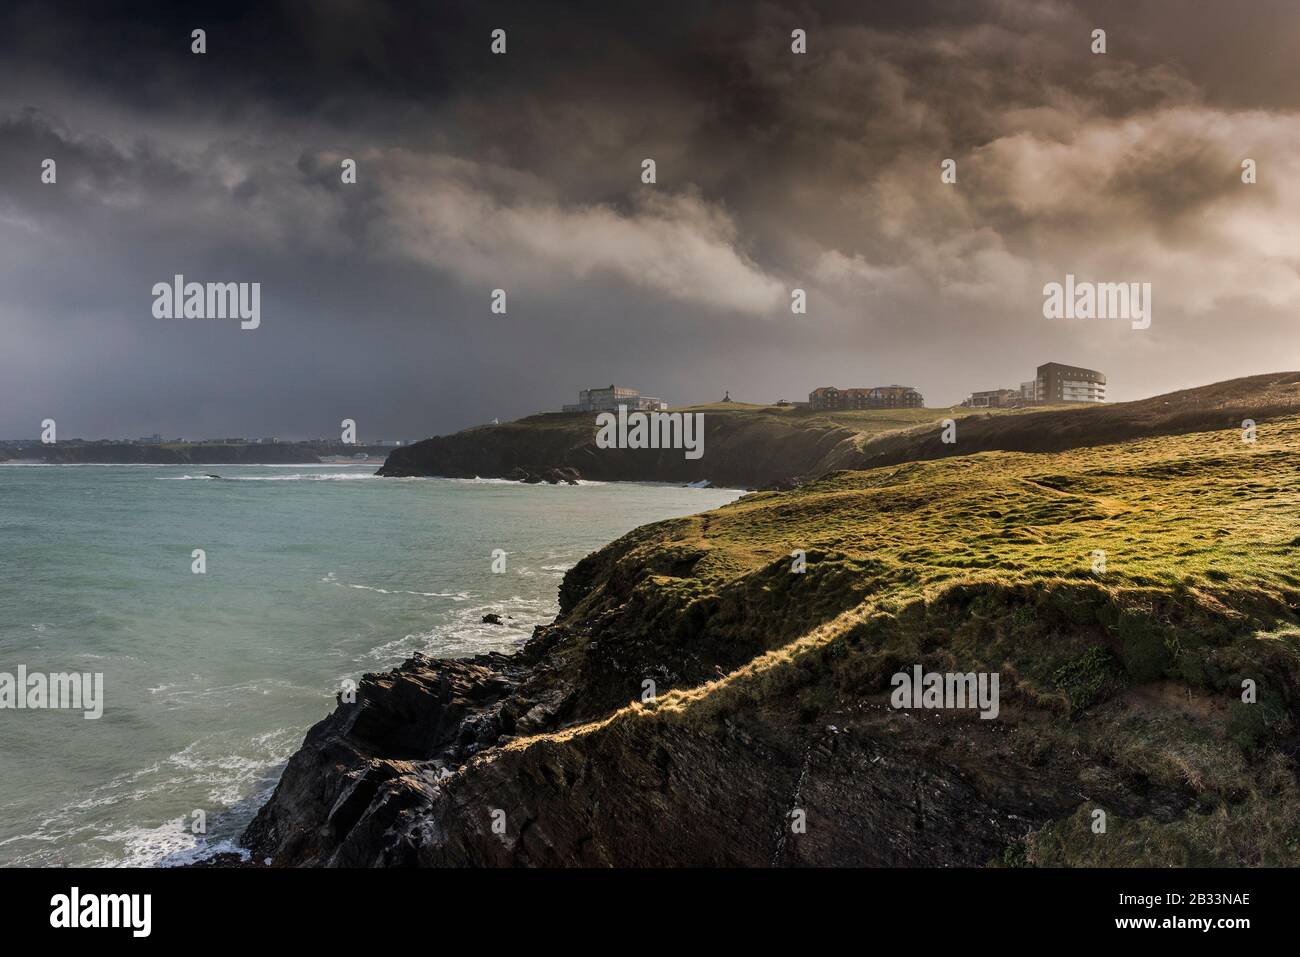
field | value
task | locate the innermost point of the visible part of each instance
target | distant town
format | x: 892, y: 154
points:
x: 269, y: 440
x: 1053, y: 383
x: 158, y: 450
x: 157, y: 439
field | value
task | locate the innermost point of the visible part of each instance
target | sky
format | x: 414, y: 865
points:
x: 522, y: 171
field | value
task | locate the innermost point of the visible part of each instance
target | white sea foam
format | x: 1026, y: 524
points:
x: 328, y: 477
x: 465, y: 633
x: 331, y: 579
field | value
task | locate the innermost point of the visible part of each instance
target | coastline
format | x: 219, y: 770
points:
x: 770, y: 690
x: 335, y: 578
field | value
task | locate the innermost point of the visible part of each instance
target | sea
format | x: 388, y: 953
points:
x: 224, y: 607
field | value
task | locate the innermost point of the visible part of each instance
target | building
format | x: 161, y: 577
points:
x: 825, y: 397
x: 1055, y: 383
x: 1061, y: 383
x: 613, y: 396
x: 876, y: 397
x: 994, y: 399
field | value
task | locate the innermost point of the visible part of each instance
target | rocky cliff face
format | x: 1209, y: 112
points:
x: 878, y: 787
x: 771, y: 738
x: 742, y: 449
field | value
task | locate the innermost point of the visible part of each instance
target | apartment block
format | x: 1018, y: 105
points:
x: 1062, y: 383
x: 1054, y: 383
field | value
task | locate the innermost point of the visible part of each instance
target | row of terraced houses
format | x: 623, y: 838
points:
x: 875, y: 397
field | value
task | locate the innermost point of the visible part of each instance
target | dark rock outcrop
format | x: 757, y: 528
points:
x: 364, y: 763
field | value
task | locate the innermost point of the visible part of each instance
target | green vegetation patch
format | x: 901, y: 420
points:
x: 1093, y: 676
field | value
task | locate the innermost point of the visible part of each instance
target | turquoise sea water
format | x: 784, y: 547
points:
x: 314, y: 574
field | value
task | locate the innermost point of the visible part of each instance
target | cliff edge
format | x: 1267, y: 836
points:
x: 701, y: 701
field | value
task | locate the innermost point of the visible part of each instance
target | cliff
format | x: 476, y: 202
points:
x: 750, y: 446
x: 744, y: 446
x: 1121, y: 683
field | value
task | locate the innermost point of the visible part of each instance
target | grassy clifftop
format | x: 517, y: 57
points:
x: 745, y: 446
x: 1125, y: 593
x: 753, y: 446
x: 1121, y: 689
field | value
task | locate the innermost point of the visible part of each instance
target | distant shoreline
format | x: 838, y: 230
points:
x: 249, y: 453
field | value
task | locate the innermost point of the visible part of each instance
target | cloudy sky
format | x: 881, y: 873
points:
x: 523, y: 171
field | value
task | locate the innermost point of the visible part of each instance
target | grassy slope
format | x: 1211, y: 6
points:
x: 1056, y: 429
x: 982, y: 562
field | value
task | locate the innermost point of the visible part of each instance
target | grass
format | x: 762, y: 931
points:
x: 990, y: 562
x: 1201, y: 509
x: 577, y: 427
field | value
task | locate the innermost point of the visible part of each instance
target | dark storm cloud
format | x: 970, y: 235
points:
x: 521, y: 172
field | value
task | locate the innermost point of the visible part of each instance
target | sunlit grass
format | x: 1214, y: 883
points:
x: 993, y: 562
